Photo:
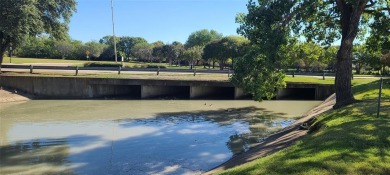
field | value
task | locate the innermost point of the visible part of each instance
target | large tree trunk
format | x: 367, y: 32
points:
x: 350, y: 18
x: 343, y: 86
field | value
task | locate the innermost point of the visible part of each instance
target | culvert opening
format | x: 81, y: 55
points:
x: 213, y: 93
x: 297, y: 94
x: 116, y: 91
x: 166, y: 92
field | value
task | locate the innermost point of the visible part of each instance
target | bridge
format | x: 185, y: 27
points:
x: 89, y: 88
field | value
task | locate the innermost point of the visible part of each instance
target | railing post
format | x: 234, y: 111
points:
x: 158, y: 70
x: 194, y: 71
x: 293, y: 74
x: 119, y: 70
x: 77, y: 70
x: 380, y: 97
x: 229, y: 72
x: 31, y: 68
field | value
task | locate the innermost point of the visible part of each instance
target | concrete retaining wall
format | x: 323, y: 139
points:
x: 82, y: 88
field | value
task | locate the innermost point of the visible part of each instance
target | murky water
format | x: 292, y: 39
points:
x: 134, y: 137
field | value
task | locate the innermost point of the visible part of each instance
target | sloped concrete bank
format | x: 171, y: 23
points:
x: 7, y: 96
x: 278, y: 141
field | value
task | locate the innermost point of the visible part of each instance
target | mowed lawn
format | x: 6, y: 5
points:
x: 17, y: 60
x: 80, y: 63
x: 351, y: 140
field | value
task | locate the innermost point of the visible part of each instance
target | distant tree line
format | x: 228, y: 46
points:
x: 206, y: 48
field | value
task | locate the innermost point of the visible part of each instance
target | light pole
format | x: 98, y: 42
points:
x: 113, y: 30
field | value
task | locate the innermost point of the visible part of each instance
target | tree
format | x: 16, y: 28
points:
x: 172, y: 51
x: 143, y: 51
x: 385, y: 61
x: 193, y: 54
x: 158, y: 51
x: 202, y: 37
x: 95, y: 49
x: 227, y: 47
x: 232, y: 47
x: 64, y: 48
x: 20, y: 18
x: 307, y: 53
x: 256, y: 72
x: 178, y: 49
x: 38, y: 47
x: 108, y: 40
x: 108, y: 54
x: 211, y: 53
x: 330, y: 57
x: 127, y: 43
x: 78, y: 50
x: 323, y: 21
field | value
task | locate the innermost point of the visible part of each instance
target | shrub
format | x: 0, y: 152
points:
x: 99, y: 64
x: 156, y: 66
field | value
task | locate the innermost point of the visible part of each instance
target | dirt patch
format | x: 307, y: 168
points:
x: 280, y: 140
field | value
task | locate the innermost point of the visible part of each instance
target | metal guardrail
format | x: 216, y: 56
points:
x: 115, y: 69
x: 230, y: 72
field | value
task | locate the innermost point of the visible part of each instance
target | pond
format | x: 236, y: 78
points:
x: 135, y: 136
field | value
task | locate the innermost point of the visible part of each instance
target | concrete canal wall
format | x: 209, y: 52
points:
x: 85, y: 88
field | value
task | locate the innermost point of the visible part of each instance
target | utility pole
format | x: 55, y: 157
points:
x: 113, y: 30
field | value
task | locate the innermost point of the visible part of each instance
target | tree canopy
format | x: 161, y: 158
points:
x: 21, y: 18
x: 202, y: 37
x: 126, y: 44
x: 227, y: 47
x: 270, y: 24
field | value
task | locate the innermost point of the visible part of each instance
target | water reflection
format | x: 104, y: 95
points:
x: 166, y: 142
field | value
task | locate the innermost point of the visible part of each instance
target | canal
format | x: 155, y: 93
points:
x: 135, y: 136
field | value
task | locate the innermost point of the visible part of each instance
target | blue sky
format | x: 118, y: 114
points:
x: 165, y: 20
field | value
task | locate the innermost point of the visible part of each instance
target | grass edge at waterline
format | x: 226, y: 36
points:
x: 350, y: 140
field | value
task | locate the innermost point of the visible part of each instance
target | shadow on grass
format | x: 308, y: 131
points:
x: 364, y: 89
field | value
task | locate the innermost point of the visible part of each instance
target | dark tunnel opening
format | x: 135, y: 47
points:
x: 297, y: 94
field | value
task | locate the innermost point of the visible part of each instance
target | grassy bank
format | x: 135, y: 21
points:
x: 351, y: 140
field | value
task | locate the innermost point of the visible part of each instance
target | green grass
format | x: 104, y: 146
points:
x: 328, y: 80
x: 351, y: 140
x: 17, y: 60
x: 302, y: 79
x: 81, y: 63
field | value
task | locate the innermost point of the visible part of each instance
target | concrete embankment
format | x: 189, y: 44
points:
x: 11, y: 96
x: 278, y: 141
